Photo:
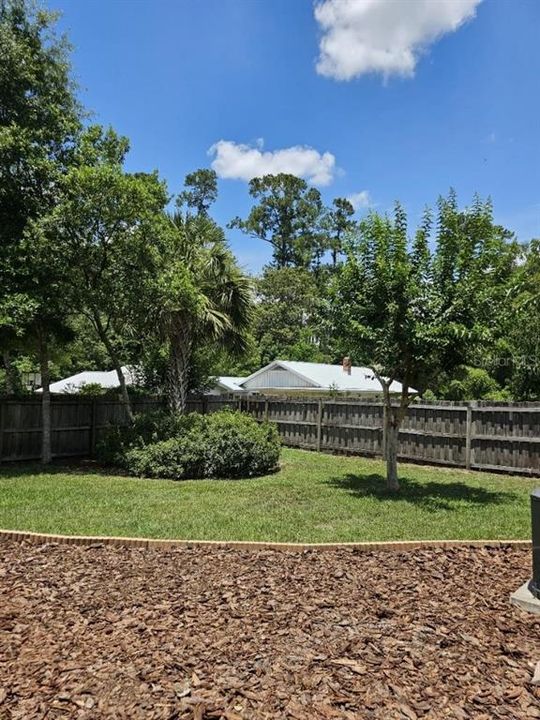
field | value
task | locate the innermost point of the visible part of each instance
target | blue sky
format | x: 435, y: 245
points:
x: 410, y: 97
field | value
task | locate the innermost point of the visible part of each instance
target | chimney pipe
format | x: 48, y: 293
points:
x: 347, y: 365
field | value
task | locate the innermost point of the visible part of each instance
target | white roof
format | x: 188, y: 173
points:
x: 325, y: 376
x: 105, y: 378
x: 232, y: 384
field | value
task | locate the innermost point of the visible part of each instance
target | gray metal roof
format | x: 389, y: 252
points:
x: 228, y: 382
x: 325, y: 376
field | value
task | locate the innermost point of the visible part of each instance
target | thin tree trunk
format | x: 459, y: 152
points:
x: 179, y: 364
x: 392, y: 420
x: 46, y: 452
x: 394, y: 416
x: 11, y: 373
x: 116, y: 365
x: 392, y: 430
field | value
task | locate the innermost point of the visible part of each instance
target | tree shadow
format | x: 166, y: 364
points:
x: 17, y: 469
x: 431, y: 496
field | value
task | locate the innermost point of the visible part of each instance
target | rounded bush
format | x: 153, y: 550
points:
x: 177, y: 458
x: 224, y: 444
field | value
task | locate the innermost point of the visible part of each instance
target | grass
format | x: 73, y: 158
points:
x: 313, y: 498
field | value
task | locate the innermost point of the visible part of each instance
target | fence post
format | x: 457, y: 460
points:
x: 2, y: 421
x: 319, y: 424
x: 93, y: 427
x: 468, y: 437
x: 266, y: 410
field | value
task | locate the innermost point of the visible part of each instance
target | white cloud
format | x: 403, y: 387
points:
x: 244, y: 162
x: 360, y: 199
x: 383, y: 36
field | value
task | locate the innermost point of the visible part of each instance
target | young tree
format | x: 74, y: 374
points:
x: 39, y: 122
x: 287, y: 216
x: 411, y: 312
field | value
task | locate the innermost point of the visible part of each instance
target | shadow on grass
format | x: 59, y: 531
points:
x: 431, y: 496
x: 13, y: 470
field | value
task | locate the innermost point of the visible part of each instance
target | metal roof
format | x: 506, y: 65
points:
x: 325, y: 376
x: 230, y: 383
x: 105, y: 378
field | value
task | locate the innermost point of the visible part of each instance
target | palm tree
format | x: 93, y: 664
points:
x: 207, y: 297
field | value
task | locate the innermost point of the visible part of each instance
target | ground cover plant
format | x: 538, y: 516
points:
x: 224, y: 444
x: 314, y: 497
x: 201, y: 633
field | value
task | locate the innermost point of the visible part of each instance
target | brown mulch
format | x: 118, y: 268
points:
x: 108, y: 632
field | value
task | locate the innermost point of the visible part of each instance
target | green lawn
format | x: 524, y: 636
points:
x: 315, y: 497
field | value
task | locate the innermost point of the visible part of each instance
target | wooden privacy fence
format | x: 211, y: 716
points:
x: 483, y: 436
x: 76, y: 424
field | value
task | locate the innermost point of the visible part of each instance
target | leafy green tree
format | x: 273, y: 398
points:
x: 522, y: 328
x: 471, y: 383
x: 286, y: 322
x: 411, y: 312
x: 109, y: 227
x: 337, y: 222
x: 287, y: 215
x: 40, y: 119
x: 201, y: 191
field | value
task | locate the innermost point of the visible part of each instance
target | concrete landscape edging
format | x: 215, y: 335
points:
x: 164, y: 543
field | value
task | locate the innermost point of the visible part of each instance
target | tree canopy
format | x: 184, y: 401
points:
x: 412, y: 311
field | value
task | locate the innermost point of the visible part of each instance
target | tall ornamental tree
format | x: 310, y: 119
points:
x: 287, y: 216
x: 411, y: 311
x: 40, y: 119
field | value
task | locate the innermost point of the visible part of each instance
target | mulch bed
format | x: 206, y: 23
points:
x: 108, y: 632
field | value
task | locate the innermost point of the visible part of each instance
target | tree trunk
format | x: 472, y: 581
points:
x: 116, y: 366
x: 393, y: 417
x: 179, y: 364
x: 46, y: 452
x: 391, y: 433
x: 126, y: 400
x: 11, y: 373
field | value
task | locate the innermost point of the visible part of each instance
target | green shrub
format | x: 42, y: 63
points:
x: 224, y: 444
x: 147, y: 428
x: 176, y: 458
x: 112, y: 445
x: 91, y: 390
x: 238, y: 446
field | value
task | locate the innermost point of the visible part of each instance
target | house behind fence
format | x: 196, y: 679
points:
x: 482, y: 436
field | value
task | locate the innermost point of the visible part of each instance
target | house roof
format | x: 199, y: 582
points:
x: 325, y: 376
x: 105, y: 378
x: 232, y: 384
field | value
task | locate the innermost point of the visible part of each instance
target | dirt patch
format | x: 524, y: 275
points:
x: 106, y: 632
